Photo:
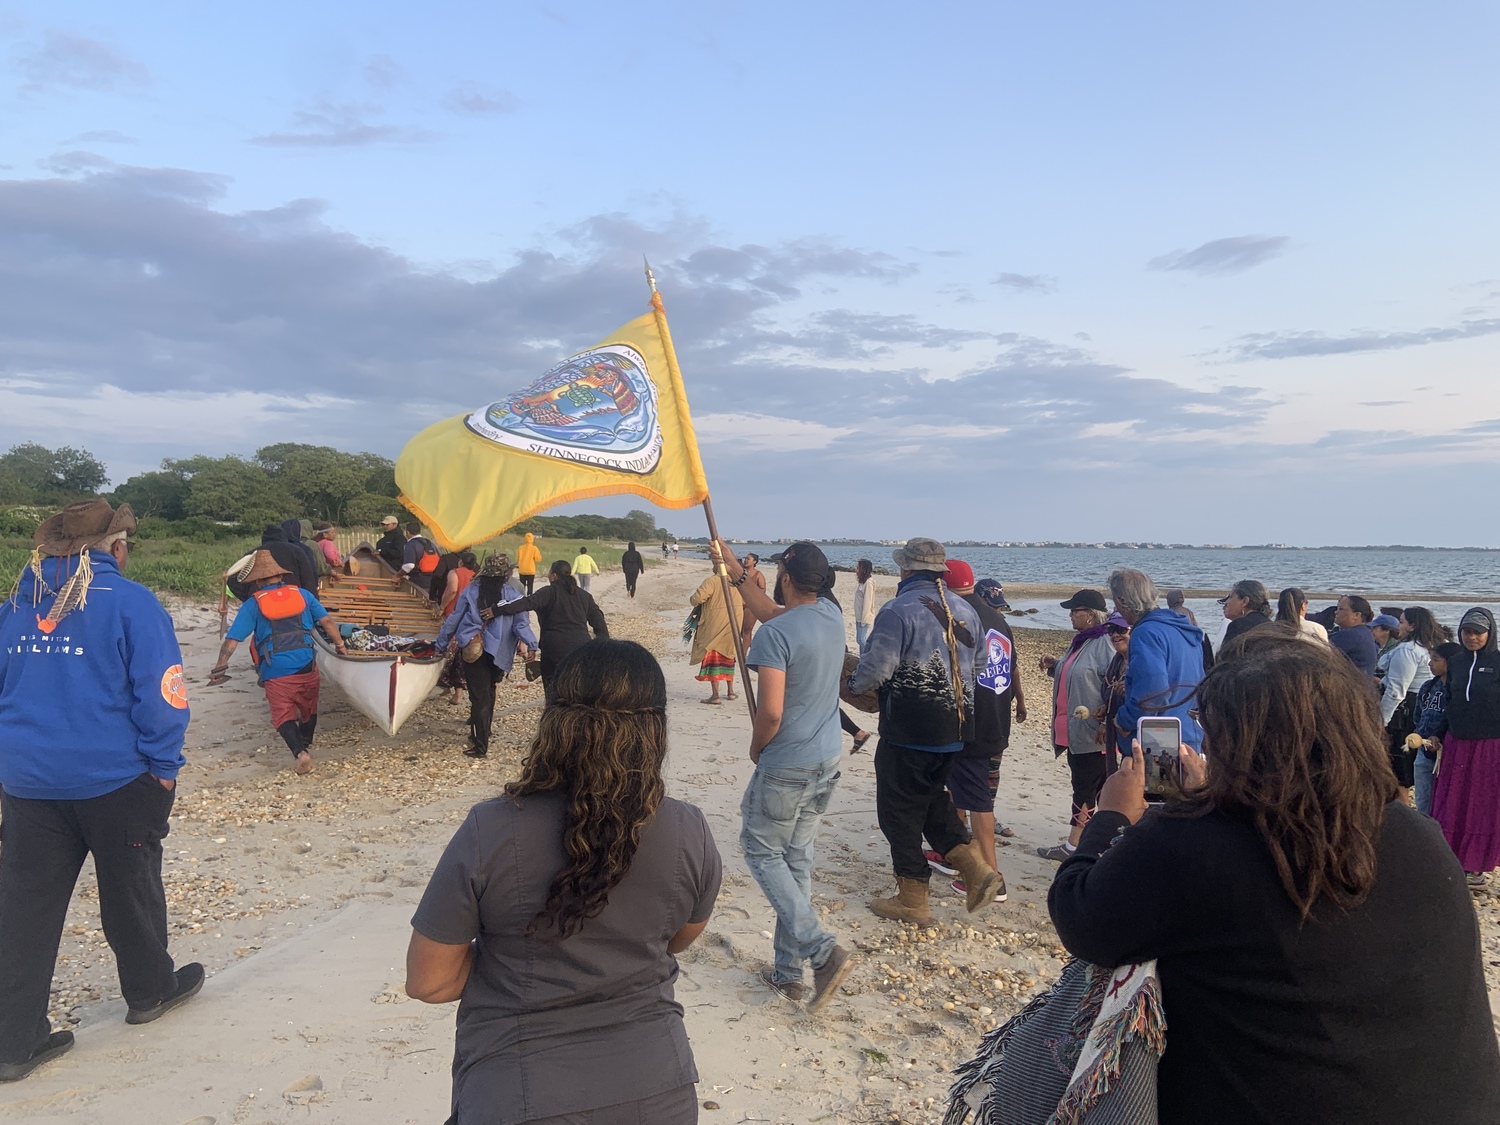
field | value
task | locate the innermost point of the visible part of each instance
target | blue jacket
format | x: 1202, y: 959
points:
x: 500, y: 635
x: 92, y: 705
x: 1165, y: 667
x: 906, y: 662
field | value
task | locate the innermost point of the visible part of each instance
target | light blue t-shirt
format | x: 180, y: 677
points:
x: 807, y: 643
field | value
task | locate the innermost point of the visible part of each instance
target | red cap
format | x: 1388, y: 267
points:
x: 959, y: 575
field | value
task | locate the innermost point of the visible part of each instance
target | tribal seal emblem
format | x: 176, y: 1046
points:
x: 596, y: 408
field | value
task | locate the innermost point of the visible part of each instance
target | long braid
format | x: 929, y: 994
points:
x: 958, y: 676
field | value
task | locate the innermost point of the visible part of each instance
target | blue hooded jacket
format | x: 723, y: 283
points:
x: 96, y: 702
x: 1165, y: 666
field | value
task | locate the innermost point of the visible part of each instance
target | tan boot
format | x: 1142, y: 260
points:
x: 980, y: 879
x: 909, y: 905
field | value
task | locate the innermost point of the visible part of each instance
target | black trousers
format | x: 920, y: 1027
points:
x: 527, y: 580
x: 911, y: 801
x: 481, y: 678
x: 42, y: 848
x: 1088, y: 771
x: 630, y: 577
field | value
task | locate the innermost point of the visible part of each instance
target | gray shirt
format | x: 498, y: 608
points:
x: 549, y: 1027
x: 807, y: 643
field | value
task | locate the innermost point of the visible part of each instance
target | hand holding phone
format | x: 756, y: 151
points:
x: 1124, y: 790
x: 1159, y: 739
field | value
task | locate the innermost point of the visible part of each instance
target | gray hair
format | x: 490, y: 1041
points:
x: 1097, y: 616
x: 1134, y: 593
x: 106, y: 543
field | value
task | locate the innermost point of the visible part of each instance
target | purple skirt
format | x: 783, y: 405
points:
x: 1467, y: 801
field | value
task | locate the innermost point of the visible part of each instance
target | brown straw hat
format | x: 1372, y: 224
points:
x: 265, y: 567
x: 80, y: 524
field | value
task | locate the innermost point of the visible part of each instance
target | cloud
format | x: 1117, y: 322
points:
x: 383, y: 72
x: 765, y: 433
x: 66, y: 60
x: 1288, y: 345
x: 101, y: 137
x: 1223, y: 255
x: 477, y: 99
x: 341, y: 125
x: 1026, y: 283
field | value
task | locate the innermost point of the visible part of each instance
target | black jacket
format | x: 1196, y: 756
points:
x: 390, y: 547
x: 564, y: 618
x: 991, y: 708
x: 1273, y: 1021
x: 1474, y: 690
x: 1240, y: 626
x: 632, y: 563
x: 288, y: 556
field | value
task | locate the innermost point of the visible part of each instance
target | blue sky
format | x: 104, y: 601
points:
x: 1073, y: 271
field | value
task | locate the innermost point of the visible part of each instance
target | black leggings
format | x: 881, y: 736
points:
x: 1089, y: 771
x: 527, y: 580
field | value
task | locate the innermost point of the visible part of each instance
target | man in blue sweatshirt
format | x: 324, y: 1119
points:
x: 1166, y: 659
x: 92, y: 719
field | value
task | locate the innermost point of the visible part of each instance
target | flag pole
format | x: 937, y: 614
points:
x: 708, y: 507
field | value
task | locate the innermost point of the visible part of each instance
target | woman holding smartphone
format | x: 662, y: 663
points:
x: 1281, y: 900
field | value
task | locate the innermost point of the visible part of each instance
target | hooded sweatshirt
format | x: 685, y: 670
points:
x: 1166, y: 665
x: 296, y: 535
x: 528, y: 554
x: 289, y: 557
x: 96, y: 702
x: 1474, y: 688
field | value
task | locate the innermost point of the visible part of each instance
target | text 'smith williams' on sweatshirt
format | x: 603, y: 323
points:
x: 91, y: 701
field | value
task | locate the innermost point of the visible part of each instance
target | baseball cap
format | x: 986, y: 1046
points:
x: 1116, y: 621
x: 1085, y: 599
x: 389, y: 521
x: 805, y: 563
x: 1385, y: 621
x: 959, y: 574
x: 991, y: 593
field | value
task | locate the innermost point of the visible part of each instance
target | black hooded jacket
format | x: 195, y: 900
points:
x: 1474, y: 689
x: 290, y: 556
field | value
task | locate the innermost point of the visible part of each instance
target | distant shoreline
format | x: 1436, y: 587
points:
x: 1112, y: 546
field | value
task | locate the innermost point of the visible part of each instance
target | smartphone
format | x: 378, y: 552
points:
x: 1160, y: 740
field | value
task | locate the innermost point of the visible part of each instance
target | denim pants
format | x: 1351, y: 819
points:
x: 1424, y: 781
x: 781, y: 809
x: 861, y: 635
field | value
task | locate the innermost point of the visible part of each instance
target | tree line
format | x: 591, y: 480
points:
x: 287, y: 480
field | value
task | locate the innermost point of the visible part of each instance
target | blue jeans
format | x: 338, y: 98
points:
x: 861, y: 635
x: 1425, y: 783
x: 781, y: 809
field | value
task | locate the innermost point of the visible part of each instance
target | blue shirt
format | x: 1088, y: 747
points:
x: 807, y: 643
x: 250, y: 621
x: 90, y: 703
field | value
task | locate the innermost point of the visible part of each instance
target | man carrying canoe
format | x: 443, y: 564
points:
x: 281, y: 619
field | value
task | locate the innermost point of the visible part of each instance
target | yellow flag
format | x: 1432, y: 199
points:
x: 613, y: 419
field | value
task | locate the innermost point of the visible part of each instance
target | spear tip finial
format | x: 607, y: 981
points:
x: 650, y: 277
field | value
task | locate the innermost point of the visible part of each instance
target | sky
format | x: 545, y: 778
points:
x: 1076, y: 271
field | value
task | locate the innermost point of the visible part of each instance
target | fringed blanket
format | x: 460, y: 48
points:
x: 1082, y: 1053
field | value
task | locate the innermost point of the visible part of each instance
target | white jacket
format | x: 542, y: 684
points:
x: 1406, y: 671
x: 864, y: 602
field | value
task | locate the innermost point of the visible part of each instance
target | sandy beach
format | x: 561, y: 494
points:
x: 296, y: 893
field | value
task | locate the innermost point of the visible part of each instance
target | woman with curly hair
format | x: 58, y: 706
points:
x: 556, y: 912
x: 1282, y: 900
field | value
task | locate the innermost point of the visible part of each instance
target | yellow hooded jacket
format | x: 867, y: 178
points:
x: 528, y: 554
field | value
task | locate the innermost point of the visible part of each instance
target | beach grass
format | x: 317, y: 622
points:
x: 168, y: 566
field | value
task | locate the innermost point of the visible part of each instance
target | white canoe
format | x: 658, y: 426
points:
x: 385, y: 686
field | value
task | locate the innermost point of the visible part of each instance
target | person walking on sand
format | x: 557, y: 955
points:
x: 632, y: 564
x: 528, y: 556
x: 864, y: 602
x: 975, y: 778
x: 584, y: 567
x: 795, y: 744
x: 754, y: 579
x: 281, y: 619
x: 93, y: 713
x: 1077, y: 696
x: 713, y: 641
x: 920, y: 662
x: 455, y: 582
x: 565, y: 613
x: 499, y: 640
x: 1466, y: 802
x: 558, y: 909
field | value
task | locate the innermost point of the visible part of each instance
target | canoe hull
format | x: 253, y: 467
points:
x: 384, y: 687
